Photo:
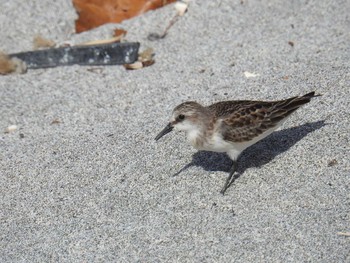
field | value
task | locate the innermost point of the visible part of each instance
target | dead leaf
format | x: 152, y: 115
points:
x: 40, y: 42
x: 120, y: 32
x: 9, y: 65
x: 6, y: 64
x: 93, y: 13
x: 145, y: 59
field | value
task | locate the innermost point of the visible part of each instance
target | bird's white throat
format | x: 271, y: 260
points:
x: 193, y: 132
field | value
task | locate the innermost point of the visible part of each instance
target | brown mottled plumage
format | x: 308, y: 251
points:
x: 231, y: 126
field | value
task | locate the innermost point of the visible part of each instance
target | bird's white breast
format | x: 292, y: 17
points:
x: 216, y: 143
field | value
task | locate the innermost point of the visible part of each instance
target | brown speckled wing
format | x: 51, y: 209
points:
x: 244, y: 120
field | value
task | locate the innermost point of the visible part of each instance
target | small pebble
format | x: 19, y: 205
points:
x: 332, y: 163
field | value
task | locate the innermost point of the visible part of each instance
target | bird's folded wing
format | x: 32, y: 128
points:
x: 247, y: 122
x: 243, y: 120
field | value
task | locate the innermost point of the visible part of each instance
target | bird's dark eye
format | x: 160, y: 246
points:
x: 181, y: 117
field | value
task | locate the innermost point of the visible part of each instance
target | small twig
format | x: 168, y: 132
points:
x: 347, y: 234
x: 156, y: 36
x: 181, y: 8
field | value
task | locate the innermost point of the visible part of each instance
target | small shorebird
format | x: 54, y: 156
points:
x: 231, y: 126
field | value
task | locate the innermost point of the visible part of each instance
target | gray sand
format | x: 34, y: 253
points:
x: 96, y: 187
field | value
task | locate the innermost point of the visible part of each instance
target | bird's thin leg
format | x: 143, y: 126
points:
x: 229, y: 178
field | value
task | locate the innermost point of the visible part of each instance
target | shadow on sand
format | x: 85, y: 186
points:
x: 258, y: 154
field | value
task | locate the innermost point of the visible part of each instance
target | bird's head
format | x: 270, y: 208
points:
x: 187, y: 117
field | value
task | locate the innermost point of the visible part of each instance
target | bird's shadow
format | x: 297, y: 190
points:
x: 258, y: 154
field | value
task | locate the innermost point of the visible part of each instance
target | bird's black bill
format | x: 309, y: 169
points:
x: 166, y: 130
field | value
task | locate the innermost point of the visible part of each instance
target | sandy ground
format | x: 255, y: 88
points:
x: 94, y: 186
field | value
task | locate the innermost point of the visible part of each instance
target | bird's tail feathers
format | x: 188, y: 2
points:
x: 286, y: 107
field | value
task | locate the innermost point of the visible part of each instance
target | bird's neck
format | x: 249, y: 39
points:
x: 199, y: 135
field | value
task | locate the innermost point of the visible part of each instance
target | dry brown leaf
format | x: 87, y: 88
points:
x: 145, y: 59
x: 120, y: 32
x: 9, y: 65
x: 93, y: 13
x: 6, y: 64
x: 40, y: 42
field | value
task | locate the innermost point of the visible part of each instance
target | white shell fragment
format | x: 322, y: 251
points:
x: 250, y: 74
x: 11, y: 128
x: 181, y: 7
x: 136, y: 65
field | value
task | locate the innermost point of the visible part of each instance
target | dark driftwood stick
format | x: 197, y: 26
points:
x: 103, y: 54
